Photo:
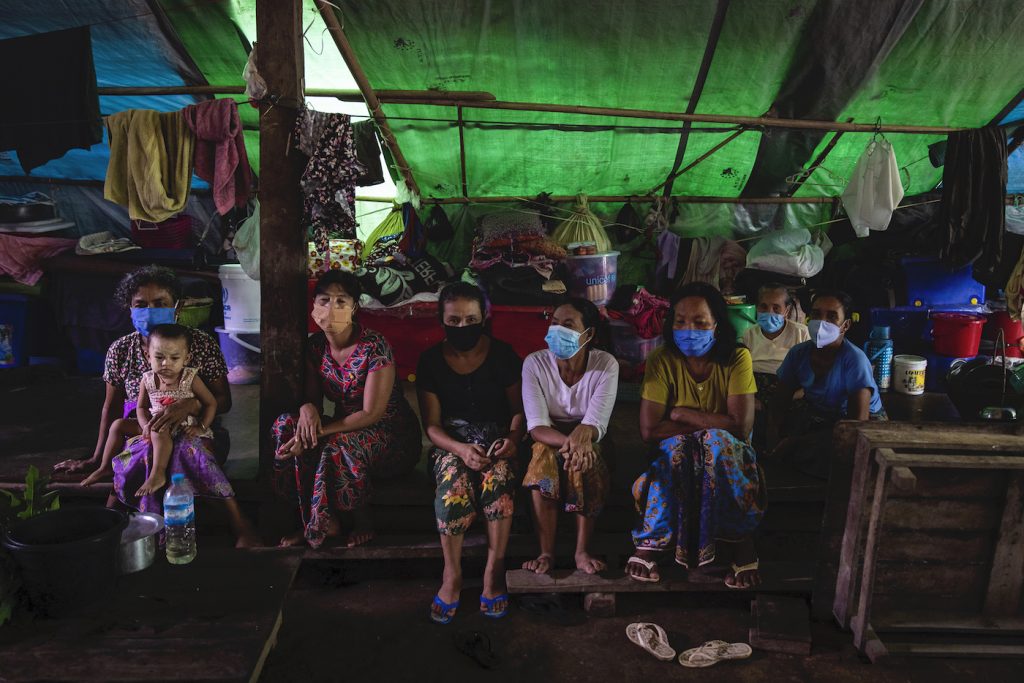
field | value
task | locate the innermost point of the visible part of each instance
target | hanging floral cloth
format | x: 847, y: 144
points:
x: 328, y: 183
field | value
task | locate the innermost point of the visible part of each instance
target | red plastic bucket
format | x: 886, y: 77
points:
x: 957, y: 334
x: 1012, y: 330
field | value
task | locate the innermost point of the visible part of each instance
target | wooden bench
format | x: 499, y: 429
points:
x: 1000, y: 610
x: 599, y: 591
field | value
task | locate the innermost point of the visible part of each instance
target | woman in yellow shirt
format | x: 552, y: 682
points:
x: 697, y: 407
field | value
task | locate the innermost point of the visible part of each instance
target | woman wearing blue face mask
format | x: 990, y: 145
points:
x: 568, y: 394
x: 772, y: 337
x: 837, y: 382
x: 151, y: 294
x: 697, y: 409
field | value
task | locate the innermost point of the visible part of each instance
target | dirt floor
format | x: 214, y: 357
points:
x: 338, y: 627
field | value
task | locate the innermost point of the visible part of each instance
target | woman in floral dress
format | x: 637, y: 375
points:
x: 326, y: 464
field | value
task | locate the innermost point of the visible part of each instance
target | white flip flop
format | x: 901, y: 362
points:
x: 651, y: 638
x: 713, y: 652
x: 646, y: 564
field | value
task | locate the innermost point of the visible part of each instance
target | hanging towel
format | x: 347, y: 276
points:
x: 328, y: 183
x: 874, y: 190
x: 973, y: 208
x: 150, y: 169
x: 220, y: 157
x: 50, y: 101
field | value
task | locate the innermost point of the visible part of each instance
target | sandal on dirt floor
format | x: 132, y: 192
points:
x: 476, y: 646
x: 736, y: 571
x: 487, y: 606
x: 646, y: 564
x: 447, y: 611
x: 651, y: 638
x: 713, y: 652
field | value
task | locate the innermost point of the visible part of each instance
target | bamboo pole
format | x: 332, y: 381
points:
x: 749, y: 121
x: 675, y: 174
x: 346, y: 95
x: 599, y: 199
x: 372, y: 103
x: 462, y: 155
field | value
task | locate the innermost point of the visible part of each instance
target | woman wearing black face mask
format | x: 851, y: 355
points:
x: 469, y: 391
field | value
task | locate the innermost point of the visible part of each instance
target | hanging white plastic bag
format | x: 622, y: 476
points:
x: 247, y: 243
x: 790, y: 252
x: 875, y: 189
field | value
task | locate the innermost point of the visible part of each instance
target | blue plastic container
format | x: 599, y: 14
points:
x: 13, y: 323
x: 935, y: 373
x: 931, y: 283
x: 242, y: 355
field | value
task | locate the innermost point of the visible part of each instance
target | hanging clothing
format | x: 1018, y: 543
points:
x: 220, y: 156
x: 1015, y: 291
x: 364, y: 134
x: 150, y: 169
x: 716, y: 261
x: 328, y: 183
x: 973, y: 201
x: 50, y: 99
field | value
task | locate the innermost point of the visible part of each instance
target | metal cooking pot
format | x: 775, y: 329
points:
x: 139, y: 542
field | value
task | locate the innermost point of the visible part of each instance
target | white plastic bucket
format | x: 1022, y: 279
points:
x: 241, y: 354
x: 908, y: 374
x: 594, y: 276
x: 241, y: 297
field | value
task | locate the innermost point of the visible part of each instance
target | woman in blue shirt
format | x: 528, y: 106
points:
x: 837, y: 382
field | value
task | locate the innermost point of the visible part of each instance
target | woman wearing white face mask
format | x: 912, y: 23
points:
x: 326, y: 462
x: 837, y: 382
x: 568, y: 394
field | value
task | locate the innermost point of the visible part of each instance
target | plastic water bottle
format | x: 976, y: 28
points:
x: 180, y: 520
x: 879, y: 349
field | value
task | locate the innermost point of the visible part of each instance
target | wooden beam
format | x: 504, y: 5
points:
x: 675, y: 174
x: 372, y: 103
x: 1007, y: 578
x: 346, y: 95
x: 282, y: 240
x: 751, y: 121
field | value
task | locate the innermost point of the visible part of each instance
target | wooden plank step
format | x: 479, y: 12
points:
x: 777, y: 577
x: 969, y: 650
x: 944, y: 623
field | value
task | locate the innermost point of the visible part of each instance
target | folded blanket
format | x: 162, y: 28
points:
x: 220, y: 156
x: 150, y: 169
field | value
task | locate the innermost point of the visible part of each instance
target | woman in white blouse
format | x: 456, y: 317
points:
x: 568, y: 395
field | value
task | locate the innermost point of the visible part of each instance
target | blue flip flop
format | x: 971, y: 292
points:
x: 447, y: 612
x: 488, y: 606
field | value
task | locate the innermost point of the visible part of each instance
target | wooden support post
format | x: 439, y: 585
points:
x: 846, y: 581
x: 282, y: 238
x: 861, y: 622
x: 1007, y: 577
x: 462, y: 155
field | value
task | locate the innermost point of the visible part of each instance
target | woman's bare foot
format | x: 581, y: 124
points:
x: 99, y: 474
x: 292, y: 540
x: 154, y: 483
x: 589, y: 564
x: 74, y: 465
x: 542, y: 565
x: 357, y: 538
x: 362, y: 528
x: 640, y: 571
x: 746, y: 556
